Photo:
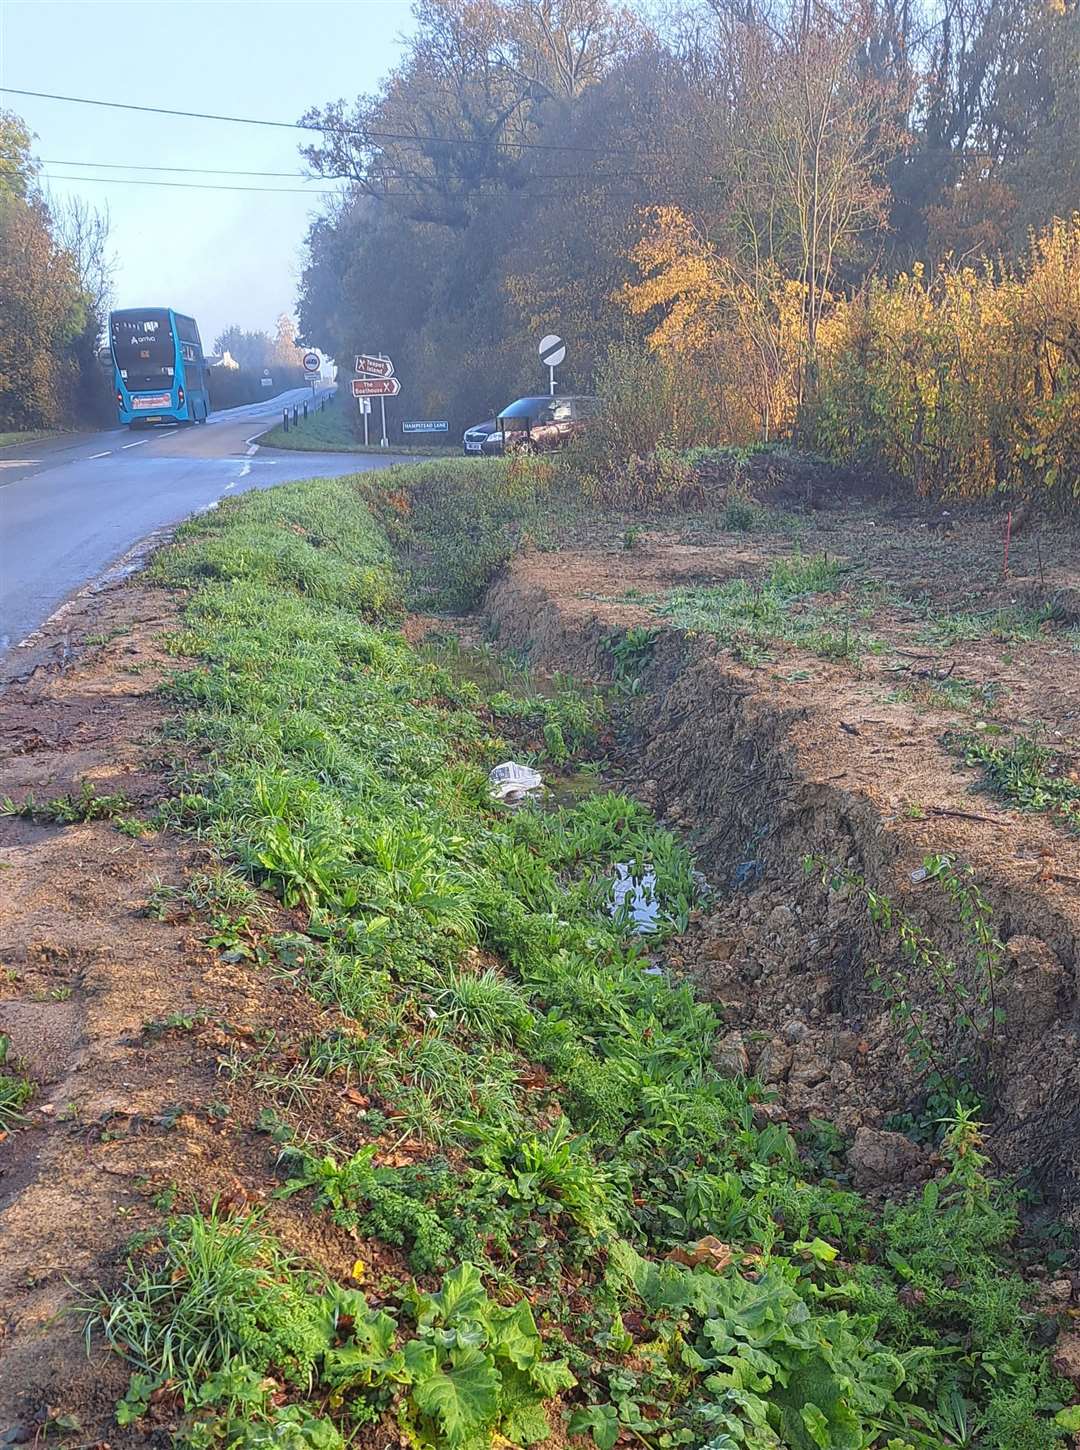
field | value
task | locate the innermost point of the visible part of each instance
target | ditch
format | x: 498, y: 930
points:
x: 450, y: 1153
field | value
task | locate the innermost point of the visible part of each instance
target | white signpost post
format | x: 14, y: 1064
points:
x: 552, y: 351
x: 376, y: 380
x: 364, y: 404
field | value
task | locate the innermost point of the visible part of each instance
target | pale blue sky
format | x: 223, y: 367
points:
x: 223, y: 256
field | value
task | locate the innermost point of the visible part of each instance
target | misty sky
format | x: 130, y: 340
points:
x: 222, y: 256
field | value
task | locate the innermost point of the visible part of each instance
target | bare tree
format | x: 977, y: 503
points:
x: 83, y: 231
x: 810, y: 135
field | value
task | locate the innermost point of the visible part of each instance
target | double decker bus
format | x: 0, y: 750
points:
x: 159, y: 370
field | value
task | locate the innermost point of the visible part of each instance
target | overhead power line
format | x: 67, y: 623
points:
x: 303, y: 176
x: 385, y: 192
x: 190, y: 185
x: 403, y: 137
x: 190, y: 170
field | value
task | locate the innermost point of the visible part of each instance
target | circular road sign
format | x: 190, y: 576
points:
x: 552, y: 350
x: 312, y: 362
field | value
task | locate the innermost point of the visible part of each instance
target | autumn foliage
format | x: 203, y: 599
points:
x: 963, y: 383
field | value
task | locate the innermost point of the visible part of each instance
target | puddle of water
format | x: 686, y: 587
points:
x: 634, y: 898
x: 570, y: 787
x: 491, y: 671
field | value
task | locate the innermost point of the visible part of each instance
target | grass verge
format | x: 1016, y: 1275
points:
x: 596, y: 1232
x: 33, y: 435
x: 331, y: 431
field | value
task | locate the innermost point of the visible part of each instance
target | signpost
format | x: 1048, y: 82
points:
x: 374, y: 367
x: 313, y: 367
x: 375, y: 387
x: 427, y: 426
x: 364, y: 404
x: 376, y: 380
x: 552, y: 351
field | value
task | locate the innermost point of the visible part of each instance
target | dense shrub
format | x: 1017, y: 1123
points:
x: 965, y: 383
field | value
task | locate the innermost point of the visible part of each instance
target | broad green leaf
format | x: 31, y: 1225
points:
x: 551, y: 1376
x: 818, y: 1249
x: 526, y: 1425
x: 817, y: 1427
x: 462, y: 1293
x: 461, y: 1400
x: 515, y: 1335
x: 602, y: 1421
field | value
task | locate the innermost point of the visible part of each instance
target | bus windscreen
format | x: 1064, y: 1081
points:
x: 144, y: 348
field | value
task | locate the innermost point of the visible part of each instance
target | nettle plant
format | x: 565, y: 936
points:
x: 950, y: 1013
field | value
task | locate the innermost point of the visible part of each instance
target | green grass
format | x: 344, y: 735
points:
x: 1014, y: 623
x: 751, y: 615
x: 32, y: 435
x: 332, y: 431
x: 15, y: 1091
x: 569, y: 1124
x: 67, y: 810
x: 961, y: 696
x: 1025, y: 773
x: 457, y: 523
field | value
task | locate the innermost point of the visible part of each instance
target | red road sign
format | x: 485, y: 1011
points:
x: 374, y: 367
x: 375, y: 387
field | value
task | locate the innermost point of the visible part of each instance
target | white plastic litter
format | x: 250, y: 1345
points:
x: 512, y: 782
x: 636, y: 895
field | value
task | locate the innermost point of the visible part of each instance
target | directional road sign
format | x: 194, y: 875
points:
x: 375, y: 387
x: 312, y: 362
x: 552, y: 350
x: 374, y: 367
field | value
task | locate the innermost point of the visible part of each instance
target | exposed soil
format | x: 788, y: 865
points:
x: 761, y: 766
x: 126, y: 1107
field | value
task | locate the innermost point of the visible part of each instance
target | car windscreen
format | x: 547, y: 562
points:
x: 525, y: 410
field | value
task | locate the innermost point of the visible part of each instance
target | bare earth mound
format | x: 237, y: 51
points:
x: 837, y: 737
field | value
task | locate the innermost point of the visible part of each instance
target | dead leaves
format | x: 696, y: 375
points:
x: 708, y: 1252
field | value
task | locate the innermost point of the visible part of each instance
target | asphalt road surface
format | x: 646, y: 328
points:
x: 70, y: 507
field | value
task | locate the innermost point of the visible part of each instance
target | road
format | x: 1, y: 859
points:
x: 71, y: 506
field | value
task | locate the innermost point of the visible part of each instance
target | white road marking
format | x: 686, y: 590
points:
x: 101, y: 455
x: 18, y: 462
x: 245, y: 470
x: 137, y: 444
x: 231, y: 484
